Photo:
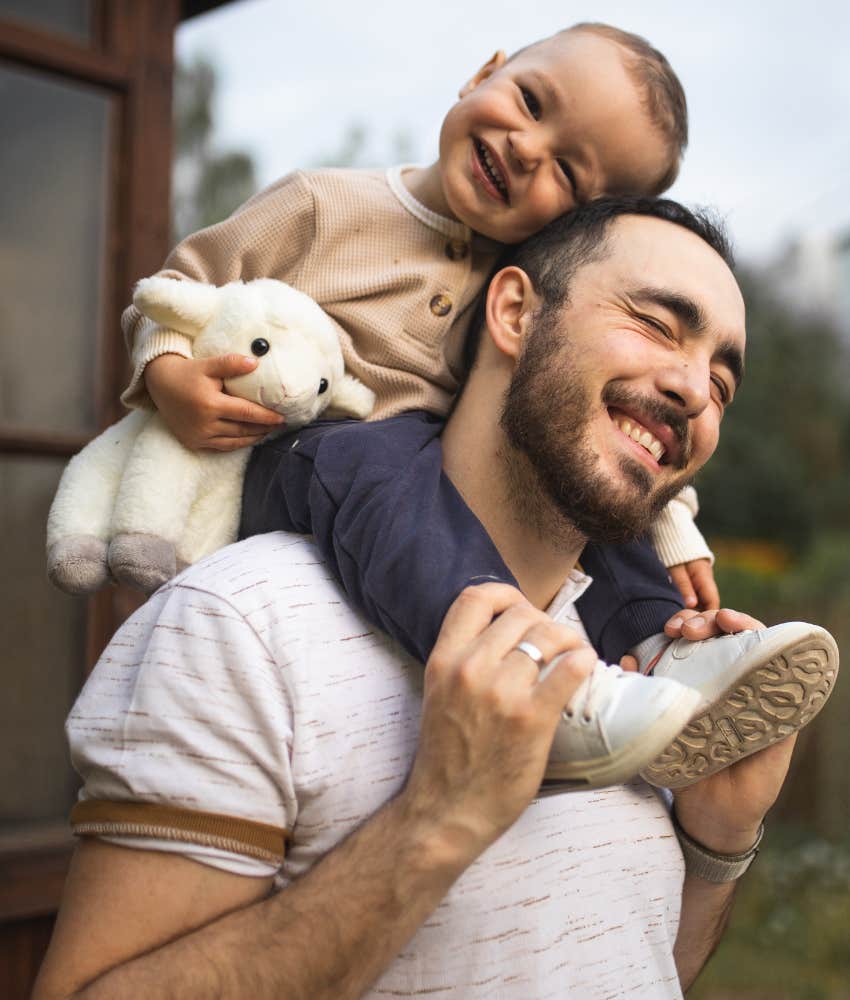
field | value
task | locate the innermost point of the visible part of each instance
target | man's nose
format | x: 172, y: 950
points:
x: 526, y: 149
x: 687, y: 383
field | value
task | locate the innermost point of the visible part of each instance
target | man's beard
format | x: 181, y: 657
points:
x: 546, y: 417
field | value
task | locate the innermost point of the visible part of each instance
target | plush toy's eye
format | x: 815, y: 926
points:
x: 323, y: 386
x: 260, y: 346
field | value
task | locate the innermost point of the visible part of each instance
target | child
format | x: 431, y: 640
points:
x: 398, y: 260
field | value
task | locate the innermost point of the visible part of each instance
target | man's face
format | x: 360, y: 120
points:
x: 617, y: 398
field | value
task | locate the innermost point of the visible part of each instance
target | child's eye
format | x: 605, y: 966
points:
x: 567, y: 171
x: 531, y: 103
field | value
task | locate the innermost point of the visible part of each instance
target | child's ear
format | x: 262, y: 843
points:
x: 511, y: 305
x: 496, y: 61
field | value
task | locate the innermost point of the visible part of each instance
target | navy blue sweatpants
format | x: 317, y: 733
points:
x: 403, y: 543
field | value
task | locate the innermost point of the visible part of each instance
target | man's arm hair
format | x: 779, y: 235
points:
x: 706, y: 909
x: 328, y: 935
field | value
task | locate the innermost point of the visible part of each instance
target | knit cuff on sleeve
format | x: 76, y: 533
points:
x: 675, y: 536
x: 159, y: 341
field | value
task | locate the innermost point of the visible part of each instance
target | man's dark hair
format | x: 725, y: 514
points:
x: 551, y: 257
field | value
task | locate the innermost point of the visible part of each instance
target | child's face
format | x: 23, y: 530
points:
x: 530, y: 138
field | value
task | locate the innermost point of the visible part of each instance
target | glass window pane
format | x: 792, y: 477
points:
x: 68, y: 17
x: 42, y: 651
x: 53, y: 201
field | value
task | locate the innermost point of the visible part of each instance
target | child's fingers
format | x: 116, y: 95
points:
x: 233, y: 443
x: 229, y: 365
x: 680, y: 576
x: 702, y: 579
x: 242, y: 412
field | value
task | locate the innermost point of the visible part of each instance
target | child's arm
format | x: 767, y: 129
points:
x: 269, y: 236
x: 190, y: 396
x: 391, y: 526
x: 683, y: 550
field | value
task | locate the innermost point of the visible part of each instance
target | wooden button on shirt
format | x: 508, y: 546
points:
x: 441, y: 305
x: 457, y: 249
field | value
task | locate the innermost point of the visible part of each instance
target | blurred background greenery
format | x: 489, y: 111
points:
x: 774, y: 506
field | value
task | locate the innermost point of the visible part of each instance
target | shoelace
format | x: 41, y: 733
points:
x: 594, y: 691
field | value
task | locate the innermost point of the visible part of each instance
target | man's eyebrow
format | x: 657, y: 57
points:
x: 692, y: 315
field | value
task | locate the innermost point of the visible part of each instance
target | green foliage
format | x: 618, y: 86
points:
x: 780, y: 472
x: 790, y: 927
x: 208, y: 183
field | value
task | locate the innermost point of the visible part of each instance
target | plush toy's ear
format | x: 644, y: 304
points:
x: 350, y: 399
x: 185, y: 306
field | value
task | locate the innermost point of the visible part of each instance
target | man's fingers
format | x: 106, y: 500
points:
x: 730, y: 621
x: 564, y: 675
x: 472, y: 612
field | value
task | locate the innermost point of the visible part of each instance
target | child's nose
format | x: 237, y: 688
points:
x: 525, y: 149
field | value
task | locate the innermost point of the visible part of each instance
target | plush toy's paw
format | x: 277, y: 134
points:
x: 142, y: 561
x: 77, y: 564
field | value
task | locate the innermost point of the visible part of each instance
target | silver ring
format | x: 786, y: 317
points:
x: 532, y: 652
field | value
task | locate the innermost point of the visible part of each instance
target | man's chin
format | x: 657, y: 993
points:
x: 616, y: 513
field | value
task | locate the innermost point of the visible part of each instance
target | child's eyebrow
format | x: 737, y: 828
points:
x: 544, y: 83
x: 692, y: 315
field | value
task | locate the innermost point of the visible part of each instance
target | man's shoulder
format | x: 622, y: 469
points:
x: 278, y: 563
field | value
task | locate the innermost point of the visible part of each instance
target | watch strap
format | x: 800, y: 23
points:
x: 711, y: 866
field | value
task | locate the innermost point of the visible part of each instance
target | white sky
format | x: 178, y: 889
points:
x: 768, y: 86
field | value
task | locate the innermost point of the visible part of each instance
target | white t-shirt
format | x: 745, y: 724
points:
x: 247, y: 702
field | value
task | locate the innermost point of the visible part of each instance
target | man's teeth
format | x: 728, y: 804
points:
x: 491, y: 168
x: 643, y: 438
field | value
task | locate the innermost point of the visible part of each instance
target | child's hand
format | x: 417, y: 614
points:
x: 189, y: 394
x: 695, y: 580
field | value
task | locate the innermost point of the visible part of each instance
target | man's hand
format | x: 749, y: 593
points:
x: 722, y: 812
x: 189, y: 394
x: 487, y: 720
x: 696, y: 583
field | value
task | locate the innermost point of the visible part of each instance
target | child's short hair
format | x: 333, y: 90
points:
x: 662, y: 93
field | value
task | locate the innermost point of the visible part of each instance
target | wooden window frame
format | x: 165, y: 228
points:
x: 129, y: 58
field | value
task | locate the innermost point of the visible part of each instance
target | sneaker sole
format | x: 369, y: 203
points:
x: 778, y: 694
x: 625, y: 763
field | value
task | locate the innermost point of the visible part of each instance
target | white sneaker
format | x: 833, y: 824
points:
x: 614, y: 725
x: 757, y: 687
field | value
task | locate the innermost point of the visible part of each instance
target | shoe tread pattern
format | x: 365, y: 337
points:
x: 771, y: 702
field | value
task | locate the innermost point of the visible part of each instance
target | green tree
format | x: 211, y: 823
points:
x: 781, y: 471
x: 208, y: 183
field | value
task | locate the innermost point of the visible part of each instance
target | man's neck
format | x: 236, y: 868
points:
x: 536, y: 544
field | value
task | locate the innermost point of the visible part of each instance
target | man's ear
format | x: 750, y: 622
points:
x: 496, y: 61
x: 511, y: 304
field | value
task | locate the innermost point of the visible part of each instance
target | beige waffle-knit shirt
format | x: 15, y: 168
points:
x: 399, y: 280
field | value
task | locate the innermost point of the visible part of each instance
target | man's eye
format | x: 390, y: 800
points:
x: 531, y: 103
x: 658, y: 327
x: 723, y: 389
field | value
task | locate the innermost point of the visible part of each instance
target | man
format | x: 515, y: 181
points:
x: 247, y: 705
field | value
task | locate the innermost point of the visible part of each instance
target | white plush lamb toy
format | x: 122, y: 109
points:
x: 137, y: 506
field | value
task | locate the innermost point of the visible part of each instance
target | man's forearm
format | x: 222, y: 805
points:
x: 706, y: 908
x: 328, y: 935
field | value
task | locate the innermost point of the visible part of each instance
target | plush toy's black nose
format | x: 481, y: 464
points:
x: 323, y: 386
x: 260, y: 346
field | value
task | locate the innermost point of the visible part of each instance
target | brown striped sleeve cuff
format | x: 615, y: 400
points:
x: 99, y: 817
